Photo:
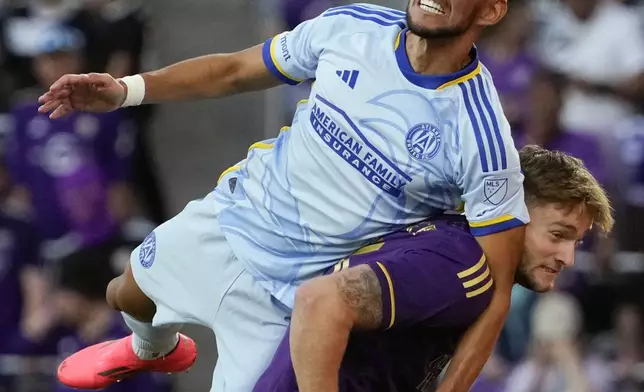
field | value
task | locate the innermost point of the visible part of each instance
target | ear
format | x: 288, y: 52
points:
x: 492, y: 12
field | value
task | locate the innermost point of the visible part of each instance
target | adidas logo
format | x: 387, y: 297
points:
x: 349, y: 77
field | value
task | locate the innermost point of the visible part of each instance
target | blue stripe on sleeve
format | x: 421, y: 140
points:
x: 495, y: 124
x: 486, y: 125
x: 356, y: 15
x: 387, y: 14
x: 475, y: 126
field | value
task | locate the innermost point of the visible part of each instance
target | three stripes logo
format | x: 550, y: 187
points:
x: 349, y: 77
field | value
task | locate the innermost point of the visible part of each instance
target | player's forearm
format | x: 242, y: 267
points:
x: 211, y: 76
x: 319, y: 334
x: 503, y: 252
x: 475, y: 348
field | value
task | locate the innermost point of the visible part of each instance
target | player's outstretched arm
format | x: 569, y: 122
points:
x: 503, y: 251
x: 211, y: 76
x: 326, y: 310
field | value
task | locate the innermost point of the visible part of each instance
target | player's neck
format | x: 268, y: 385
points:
x: 438, y: 57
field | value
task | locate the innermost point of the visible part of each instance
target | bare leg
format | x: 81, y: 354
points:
x: 148, y: 342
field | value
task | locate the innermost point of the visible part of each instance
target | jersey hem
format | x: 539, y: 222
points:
x: 482, y: 229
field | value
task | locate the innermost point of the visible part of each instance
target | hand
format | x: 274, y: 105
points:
x: 86, y: 92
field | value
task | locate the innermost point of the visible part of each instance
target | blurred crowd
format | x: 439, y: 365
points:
x: 78, y: 194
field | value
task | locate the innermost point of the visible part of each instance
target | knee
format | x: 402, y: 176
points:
x: 112, y: 293
x: 123, y: 294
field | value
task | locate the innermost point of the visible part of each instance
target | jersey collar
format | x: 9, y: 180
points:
x: 433, y: 82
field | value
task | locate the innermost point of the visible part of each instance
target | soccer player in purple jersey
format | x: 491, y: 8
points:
x: 401, y: 305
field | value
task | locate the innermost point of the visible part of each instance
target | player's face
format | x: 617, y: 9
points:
x: 438, y: 19
x: 551, y: 238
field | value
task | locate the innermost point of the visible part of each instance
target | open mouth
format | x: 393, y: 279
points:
x: 550, y: 270
x: 431, y: 7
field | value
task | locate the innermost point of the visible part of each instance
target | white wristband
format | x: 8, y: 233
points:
x: 135, y: 90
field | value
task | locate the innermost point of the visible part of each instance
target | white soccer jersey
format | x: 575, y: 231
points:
x: 376, y: 147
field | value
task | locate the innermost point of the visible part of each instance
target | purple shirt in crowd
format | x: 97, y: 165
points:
x: 579, y: 145
x: 434, y: 284
x: 18, y: 249
x: 67, y: 165
x: 512, y: 78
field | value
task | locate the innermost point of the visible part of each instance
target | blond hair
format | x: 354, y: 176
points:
x: 556, y: 177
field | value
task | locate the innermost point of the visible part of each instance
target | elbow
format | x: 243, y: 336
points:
x: 318, y: 299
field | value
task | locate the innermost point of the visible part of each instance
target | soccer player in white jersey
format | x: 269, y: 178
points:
x: 403, y: 123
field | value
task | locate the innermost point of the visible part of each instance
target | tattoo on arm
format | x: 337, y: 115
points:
x: 360, y: 289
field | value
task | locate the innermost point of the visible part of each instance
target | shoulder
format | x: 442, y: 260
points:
x: 480, y: 107
x: 362, y: 18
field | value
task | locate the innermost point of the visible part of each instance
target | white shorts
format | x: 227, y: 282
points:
x: 188, y: 269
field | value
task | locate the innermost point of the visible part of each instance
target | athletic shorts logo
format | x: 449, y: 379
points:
x: 148, y: 250
x: 495, y: 190
x: 424, y: 141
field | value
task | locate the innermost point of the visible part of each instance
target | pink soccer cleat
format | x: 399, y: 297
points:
x: 103, y: 364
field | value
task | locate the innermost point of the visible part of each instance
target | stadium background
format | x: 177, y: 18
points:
x: 170, y: 154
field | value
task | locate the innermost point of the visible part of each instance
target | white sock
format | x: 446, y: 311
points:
x: 150, y: 342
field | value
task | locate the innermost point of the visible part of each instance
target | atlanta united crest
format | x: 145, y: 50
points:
x: 424, y: 141
x: 148, y: 251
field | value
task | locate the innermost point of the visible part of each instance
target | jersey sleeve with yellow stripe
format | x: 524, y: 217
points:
x: 292, y: 56
x: 438, y: 277
x: 425, y: 288
x: 490, y: 174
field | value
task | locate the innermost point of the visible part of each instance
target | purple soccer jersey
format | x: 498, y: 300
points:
x: 67, y: 165
x: 435, y: 283
x: 144, y: 382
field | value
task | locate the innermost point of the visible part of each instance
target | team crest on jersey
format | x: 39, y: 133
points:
x: 495, y: 190
x: 424, y: 141
x: 148, y: 250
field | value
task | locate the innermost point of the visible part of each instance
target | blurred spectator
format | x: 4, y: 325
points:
x: 81, y: 281
x: 123, y: 44
x: 544, y: 127
x: 598, y: 45
x: 630, y: 185
x: 504, y: 52
x: 72, y: 172
x: 125, y: 22
x: 23, y: 288
x: 24, y: 24
x: 625, y: 347
x: 558, y: 361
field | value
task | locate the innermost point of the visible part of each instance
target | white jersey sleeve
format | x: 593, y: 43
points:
x: 292, y: 56
x: 491, y: 179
